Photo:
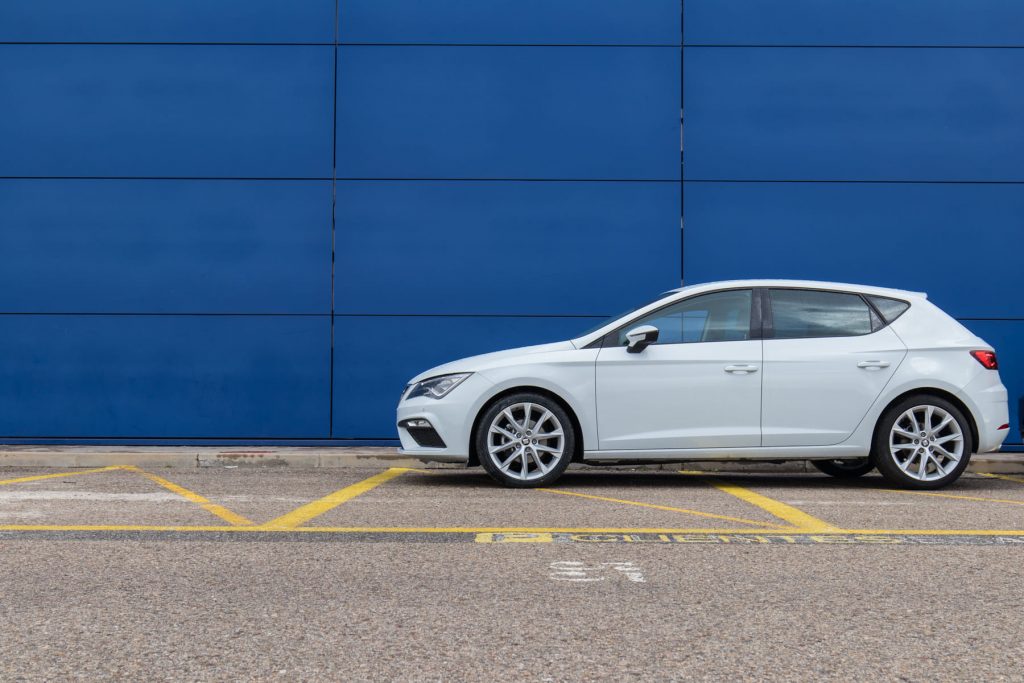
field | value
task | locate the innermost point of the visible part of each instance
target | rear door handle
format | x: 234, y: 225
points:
x: 740, y: 369
x: 873, y: 364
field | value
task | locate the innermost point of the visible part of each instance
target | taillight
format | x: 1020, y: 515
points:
x: 986, y: 358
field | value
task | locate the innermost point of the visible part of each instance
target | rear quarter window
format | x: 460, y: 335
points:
x: 889, y: 308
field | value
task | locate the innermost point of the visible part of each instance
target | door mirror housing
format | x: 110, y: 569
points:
x: 639, y: 338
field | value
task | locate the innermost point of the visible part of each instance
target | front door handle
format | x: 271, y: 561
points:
x: 740, y: 369
x: 873, y: 364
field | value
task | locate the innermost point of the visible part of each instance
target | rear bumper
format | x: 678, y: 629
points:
x: 987, y: 399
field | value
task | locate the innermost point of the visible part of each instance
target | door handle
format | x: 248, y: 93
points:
x: 873, y: 364
x: 740, y: 369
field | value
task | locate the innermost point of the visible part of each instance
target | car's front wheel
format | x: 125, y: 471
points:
x: 922, y: 442
x: 525, y: 440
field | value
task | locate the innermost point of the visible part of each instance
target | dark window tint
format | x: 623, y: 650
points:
x: 800, y: 313
x: 889, y: 308
x: 719, y: 316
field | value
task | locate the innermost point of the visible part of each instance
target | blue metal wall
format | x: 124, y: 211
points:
x: 254, y: 220
x: 873, y: 141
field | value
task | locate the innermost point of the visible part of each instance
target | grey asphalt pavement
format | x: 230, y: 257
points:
x: 279, y: 574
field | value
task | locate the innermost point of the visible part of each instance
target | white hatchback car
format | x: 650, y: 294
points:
x: 849, y: 377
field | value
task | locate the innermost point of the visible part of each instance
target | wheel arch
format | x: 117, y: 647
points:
x: 939, y: 393
x: 474, y: 457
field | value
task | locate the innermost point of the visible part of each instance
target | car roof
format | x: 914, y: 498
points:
x: 804, y: 284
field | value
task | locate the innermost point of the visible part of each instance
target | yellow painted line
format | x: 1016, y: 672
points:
x: 476, y: 530
x: 300, y: 516
x: 787, y: 513
x: 666, y: 508
x: 935, y: 532
x: 956, y: 497
x: 38, y: 477
x: 1007, y: 477
x: 228, y: 516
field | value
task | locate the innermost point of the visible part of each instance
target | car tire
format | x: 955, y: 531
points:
x: 904, y: 438
x: 525, y: 440
x: 845, y: 469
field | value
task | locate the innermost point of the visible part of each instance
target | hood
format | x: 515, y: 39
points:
x: 483, y: 361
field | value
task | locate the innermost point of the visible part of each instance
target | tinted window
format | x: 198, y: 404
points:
x: 800, y: 313
x: 719, y: 316
x: 889, y: 308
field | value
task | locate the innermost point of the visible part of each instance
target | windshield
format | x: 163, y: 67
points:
x: 604, y: 322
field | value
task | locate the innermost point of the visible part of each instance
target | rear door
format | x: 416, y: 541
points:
x: 827, y: 357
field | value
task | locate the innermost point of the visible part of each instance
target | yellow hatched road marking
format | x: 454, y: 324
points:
x: 38, y: 477
x: 228, y: 516
x: 300, y: 516
x: 664, y: 507
x: 787, y: 513
x: 956, y: 497
x: 1019, y: 480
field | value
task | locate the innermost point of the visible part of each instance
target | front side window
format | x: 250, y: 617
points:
x: 718, y: 316
x: 803, y: 313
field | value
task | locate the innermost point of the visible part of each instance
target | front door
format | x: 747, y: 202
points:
x: 698, y: 386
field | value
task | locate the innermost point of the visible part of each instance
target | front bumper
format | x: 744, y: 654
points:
x: 450, y: 417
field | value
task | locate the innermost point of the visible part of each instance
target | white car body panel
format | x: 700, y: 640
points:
x: 679, y: 396
x: 815, y: 394
x: 678, y: 403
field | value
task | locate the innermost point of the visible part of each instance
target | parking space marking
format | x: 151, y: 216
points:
x: 1005, y: 477
x: 299, y: 516
x: 666, y: 508
x: 787, y: 513
x: 799, y: 525
x: 232, y: 518
x: 39, y: 477
x: 956, y: 497
x: 581, y: 572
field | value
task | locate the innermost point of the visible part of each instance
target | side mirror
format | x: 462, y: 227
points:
x: 639, y: 338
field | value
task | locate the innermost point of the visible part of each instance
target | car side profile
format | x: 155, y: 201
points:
x: 849, y: 377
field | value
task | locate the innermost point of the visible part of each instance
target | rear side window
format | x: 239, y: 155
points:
x: 889, y: 308
x: 803, y: 313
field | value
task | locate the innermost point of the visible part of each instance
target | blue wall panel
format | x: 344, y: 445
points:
x: 166, y: 21
x: 1005, y: 336
x: 178, y: 110
x: 380, y: 354
x: 579, y: 248
x: 854, y: 22
x: 164, y: 376
x: 165, y: 246
x: 896, y: 235
x: 559, y: 22
x: 854, y: 114
x: 508, y: 112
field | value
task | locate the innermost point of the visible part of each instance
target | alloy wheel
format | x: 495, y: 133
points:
x: 926, y: 443
x: 525, y: 441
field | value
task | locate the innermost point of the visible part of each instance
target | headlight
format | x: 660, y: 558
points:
x: 437, y: 387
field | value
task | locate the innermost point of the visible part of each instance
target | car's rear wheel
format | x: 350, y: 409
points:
x: 922, y: 442
x: 845, y: 469
x: 525, y: 440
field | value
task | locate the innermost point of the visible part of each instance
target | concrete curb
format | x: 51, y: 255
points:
x: 193, y: 456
